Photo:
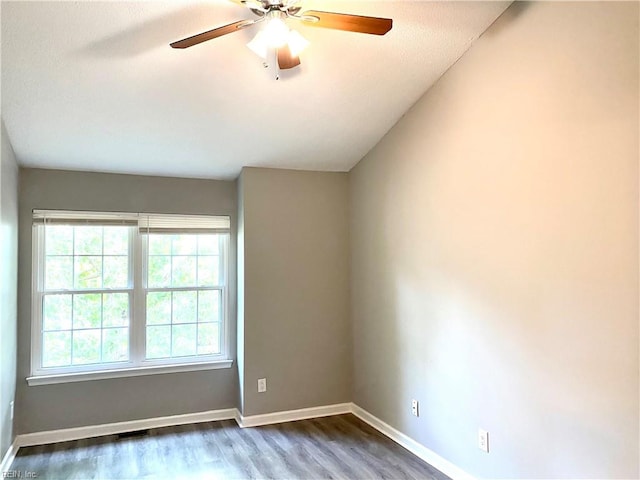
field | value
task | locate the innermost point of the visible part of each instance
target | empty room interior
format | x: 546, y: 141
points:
x: 320, y: 239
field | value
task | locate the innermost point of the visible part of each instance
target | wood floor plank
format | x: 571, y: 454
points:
x: 312, y: 442
x: 336, y: 448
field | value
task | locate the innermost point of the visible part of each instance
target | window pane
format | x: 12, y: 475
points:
x: 209, y: 306
x: 91, y: 327
x: 183, y: 340
x: 159, y: 342
x: 87, y: 311
x: 57, y: 312
x: 184, y: 272
x: 158, y: 308
x: 159, y: 271
x: 208, y: 338
x: 184, y: 245
x: 208, y: 268
x: 208, y: 245
x: 86, y: 346
x: 159, y: 244
x: 116, y: 272
x: 88, y: 272
x: 116, y: 240
x: 58, y: 240
x: 56, y: 349
x: 115, y: 344
x: 115, y: 312
x: 58, y: 273
x: 185, y: 307
x: 87, y: 241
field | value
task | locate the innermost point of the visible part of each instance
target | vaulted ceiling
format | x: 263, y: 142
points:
x: 92, y: 85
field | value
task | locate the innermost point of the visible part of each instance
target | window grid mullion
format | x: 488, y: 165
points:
x: 197, y: 258
x: 197, y: 292
x: 197, y: 318
x: 71, y: 330
x: 73, y: 282
x: 184, y: 289
x: 102, y: 294
x: 138, y: 321
x: 171, y: 265
x: 171, y: 283
x: 171, y: 327
x: 101, y: 324
x: 40, y: 253
x: 223, y: 300
x: 73, y: 257
x: 88, y: 291
x: 102, y: 257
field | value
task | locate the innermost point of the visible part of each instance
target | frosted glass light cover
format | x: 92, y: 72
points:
x: 259, y: 45
x: 297, y: 43
x: 276, y: 33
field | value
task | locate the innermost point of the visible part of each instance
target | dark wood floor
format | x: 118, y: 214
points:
x: 332, y: 447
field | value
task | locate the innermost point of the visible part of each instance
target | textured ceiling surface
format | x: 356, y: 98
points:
x: 95, y: 86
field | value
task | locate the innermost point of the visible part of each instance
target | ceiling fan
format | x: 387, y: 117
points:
x: 275, y: 42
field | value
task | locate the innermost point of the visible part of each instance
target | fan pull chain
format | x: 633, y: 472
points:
x: 273, y: 61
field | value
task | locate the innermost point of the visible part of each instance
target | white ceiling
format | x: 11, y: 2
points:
x: 95, y: 86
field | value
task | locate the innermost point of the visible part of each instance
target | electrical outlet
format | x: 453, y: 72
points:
x: 11, y: 408
x: 262, y: 385
x: 483, y: 440
x: 414, y: 408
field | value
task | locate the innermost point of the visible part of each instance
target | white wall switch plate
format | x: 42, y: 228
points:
x: 11, y: 407
x: 483, y: 440
x: 262, y: 385
x: 414, y: 408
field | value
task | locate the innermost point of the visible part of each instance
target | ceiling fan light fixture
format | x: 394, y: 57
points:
x: 274, y: 37
x: 276, y: 43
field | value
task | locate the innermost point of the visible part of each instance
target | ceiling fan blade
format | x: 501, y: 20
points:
x: 211, y: 34
x: 285, y: 59
x: 351, y: 23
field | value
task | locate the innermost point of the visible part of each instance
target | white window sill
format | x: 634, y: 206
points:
x: 126, y: 372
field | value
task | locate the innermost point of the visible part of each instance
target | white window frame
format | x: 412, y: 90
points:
x: 137, y: 289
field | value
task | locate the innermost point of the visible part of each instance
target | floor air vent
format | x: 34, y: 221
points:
x: 135, y: 433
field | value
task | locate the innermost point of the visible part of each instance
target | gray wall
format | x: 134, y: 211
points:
x: 8, y: 287
x: 103, y: 401
x: 495, y: 251
x: 296, y: 289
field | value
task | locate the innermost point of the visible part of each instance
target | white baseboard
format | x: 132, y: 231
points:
x: 410, y: 444
x: 8, y: 457
x: 64, y: 435
x: 293, y: 415
x: 53, y: 436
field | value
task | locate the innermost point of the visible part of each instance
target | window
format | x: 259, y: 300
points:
x: 116, y: 292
